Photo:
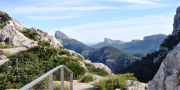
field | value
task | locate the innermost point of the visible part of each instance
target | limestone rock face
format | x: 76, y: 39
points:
x: 75, y: 54
x: 118, y: 65
x: 168, y: 75
x: 11, y: 36
x: 176, y: 24
x: 44, y: 36
x: 83, y: 65
x: 18, y: 25
x: 134, y: 85
x: 102, y: 66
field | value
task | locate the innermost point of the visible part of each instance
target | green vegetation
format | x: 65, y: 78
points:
x: 87, y: 78
x: 5, y: 46
x: 113, y: 82
x: 2, y: 25
x: 58, y: 87
x: 5, y: 16
x: 35, y: 62
x: 7, y: 54
x: 30, y: 35
x: 95, y: 71
x: 108, y: 52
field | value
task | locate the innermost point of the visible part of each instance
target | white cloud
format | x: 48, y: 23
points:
x: 56, y: 9
x: 126, y: 30
x: 52, y: 18
x: 137, y: 1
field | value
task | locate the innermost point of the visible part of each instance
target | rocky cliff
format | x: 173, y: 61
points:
x: 168, y: 75
x: 110, y: 41
x: 120, y: 64
x: 176, y: 25
x: 10, y: 35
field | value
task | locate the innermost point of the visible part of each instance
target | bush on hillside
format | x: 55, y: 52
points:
x: 5, y: 46
x: 2, y: 25
x: 96, y: 71
x: 30, y: 35
x: 87, y: 78
x: 33, y: 63
x: 5, y: 16
x: 113, y: 82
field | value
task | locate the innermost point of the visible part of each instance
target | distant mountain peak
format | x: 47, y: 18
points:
x: 110, y: 41
x: 154, y: 37
x: 59, y: 34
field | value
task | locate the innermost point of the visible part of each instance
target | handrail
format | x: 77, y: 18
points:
x: 49, y: 73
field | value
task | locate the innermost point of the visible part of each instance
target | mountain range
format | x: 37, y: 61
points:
x: 138, y: 48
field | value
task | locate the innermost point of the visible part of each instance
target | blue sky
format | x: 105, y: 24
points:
x: 90, y: 21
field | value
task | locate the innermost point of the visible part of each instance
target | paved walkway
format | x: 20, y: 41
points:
x: 82, y: 86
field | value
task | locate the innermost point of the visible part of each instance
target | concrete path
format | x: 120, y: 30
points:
x: 82, y: 86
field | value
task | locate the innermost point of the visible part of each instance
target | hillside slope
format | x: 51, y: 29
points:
x: 108, y: 53
x: 73, y: 44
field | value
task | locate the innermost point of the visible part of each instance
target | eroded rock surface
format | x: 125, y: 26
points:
x: 118, y: 65
x: 168, y: 75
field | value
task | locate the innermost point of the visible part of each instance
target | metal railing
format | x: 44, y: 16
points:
x: 49, y: 85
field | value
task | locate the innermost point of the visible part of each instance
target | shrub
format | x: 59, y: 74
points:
x: 113, y: 82
x: 7, y: 54
x: 2, y: 25
x: 58, y: 87
x: 30, y: 35
x: 96, y: 71
x: 5, y: 46
x: 5, y: 16
x: 65, y: 52
x: 33, y: 63
x: 87, y: 78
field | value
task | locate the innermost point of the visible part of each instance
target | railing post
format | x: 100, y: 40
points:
x: 62, y: 78
x: 71, y: 81
x: 51, y: 81
x: 17, y: 62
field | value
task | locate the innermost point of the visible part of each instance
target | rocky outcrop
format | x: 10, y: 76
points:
x: 168, y: 75
x: 75, y: 54
x: 176, y: 25
x: 82, y: 65
x: 11, y: 36
x: 102, y: 66
x: 96, y: 78
x: 18, y: 25
x: 135, y: 85
x: 118, y: 65
x: 44, y: 36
